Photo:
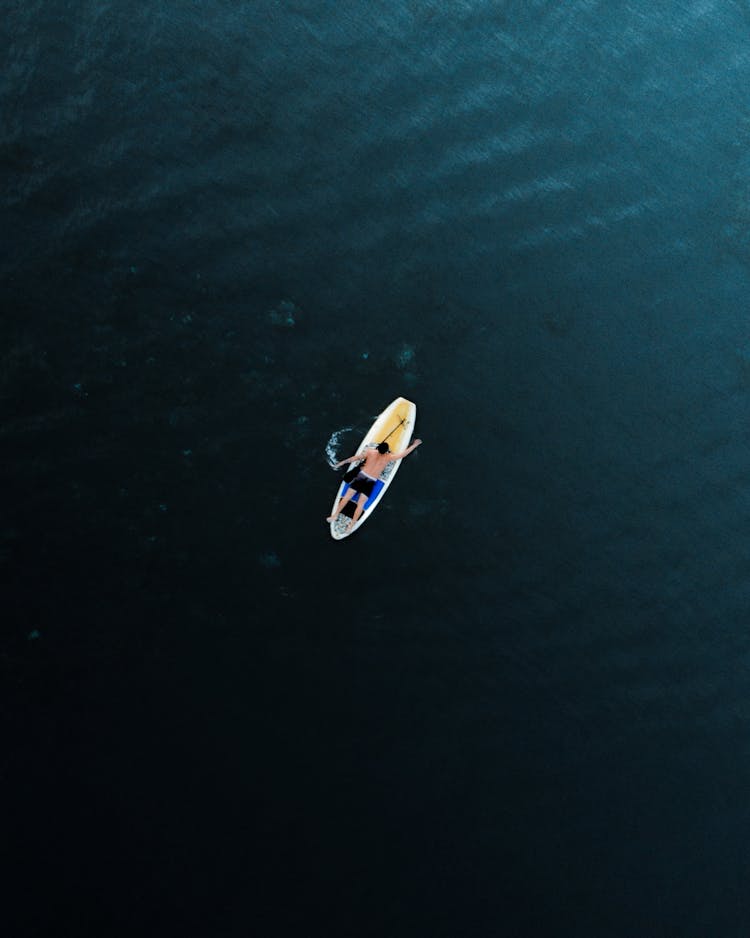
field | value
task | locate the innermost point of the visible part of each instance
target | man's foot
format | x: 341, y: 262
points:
x: 331, y: 518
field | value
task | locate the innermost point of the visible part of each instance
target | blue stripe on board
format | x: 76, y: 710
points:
x: 373, y: 495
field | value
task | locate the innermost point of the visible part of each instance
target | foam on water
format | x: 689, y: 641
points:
x: 332, y: 446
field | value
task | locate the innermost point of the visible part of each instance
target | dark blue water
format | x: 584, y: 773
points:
x: 516, y: 702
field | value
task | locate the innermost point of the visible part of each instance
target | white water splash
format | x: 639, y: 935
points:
x: 333, y: 444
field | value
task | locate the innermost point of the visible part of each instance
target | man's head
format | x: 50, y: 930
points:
x: 383, y: 447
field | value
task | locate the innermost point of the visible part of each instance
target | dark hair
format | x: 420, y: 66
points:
x: 383, y: 447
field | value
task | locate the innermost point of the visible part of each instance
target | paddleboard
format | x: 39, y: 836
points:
x: 396, y: 423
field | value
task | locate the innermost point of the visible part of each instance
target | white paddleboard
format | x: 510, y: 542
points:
x: 396, y: 423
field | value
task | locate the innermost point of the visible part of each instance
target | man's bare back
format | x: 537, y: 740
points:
x: 375, y: 463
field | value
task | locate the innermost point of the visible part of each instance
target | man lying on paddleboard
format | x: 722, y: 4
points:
x: 375, y: 461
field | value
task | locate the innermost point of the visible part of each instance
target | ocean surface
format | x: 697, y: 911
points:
x: 516, y: 702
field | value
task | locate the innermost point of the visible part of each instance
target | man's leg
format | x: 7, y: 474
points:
x: 342, y: 501
x: 359, y: 509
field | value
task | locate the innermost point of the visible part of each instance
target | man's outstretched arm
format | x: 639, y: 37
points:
x: 405, y: 452
x: 350, y: 459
